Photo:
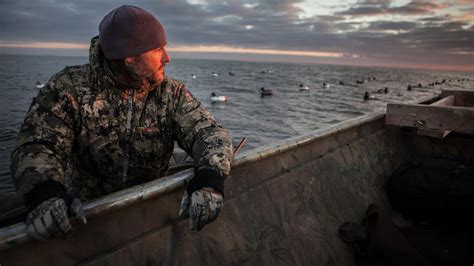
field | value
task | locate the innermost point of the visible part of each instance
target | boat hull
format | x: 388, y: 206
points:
x: 283, y: 205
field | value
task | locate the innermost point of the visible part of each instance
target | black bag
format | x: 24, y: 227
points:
x: 377, y: 241
x: 432, y: 189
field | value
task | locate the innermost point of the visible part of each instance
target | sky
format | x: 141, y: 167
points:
x: 409, y: 34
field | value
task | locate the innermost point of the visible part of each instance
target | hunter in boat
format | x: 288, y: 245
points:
x: 113, y: 123
x: 287, y: 202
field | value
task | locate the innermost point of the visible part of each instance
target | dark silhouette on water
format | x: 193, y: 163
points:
x: 264, y: 92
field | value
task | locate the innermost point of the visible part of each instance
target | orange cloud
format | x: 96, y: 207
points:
x: 43, y: 45
x: 227, y: 49
x: 464, y: 2
x: 467, y: 17
x: 189, y: 49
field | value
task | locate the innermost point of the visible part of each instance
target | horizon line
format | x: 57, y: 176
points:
x: 406, y: 67
x: 184, y: 48
x: 355, y: 60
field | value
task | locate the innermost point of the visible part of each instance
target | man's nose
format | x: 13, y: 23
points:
x: 166, y: 57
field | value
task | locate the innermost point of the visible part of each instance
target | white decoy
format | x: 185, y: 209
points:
x: 215, y: 98
x: 325, y: 85
x: 193, y: 76
x: 304, y: 88
x: 39, y: 85
x: 214, y: 74
x: 367, y: 96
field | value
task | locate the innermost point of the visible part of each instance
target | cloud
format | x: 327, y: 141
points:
x: 372, y: 8
x: 224, y: 49
x: 463, y: 2
x: 43, y: 45
x: 392, y: 25
x: 467, y: 14
x: 436, y: 19
x: 261, y: 25
x: 418, y: 8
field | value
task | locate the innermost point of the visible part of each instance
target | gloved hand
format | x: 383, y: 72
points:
x: 50, y: 218
x: 203, y: 207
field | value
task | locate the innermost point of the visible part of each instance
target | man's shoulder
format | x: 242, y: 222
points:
x: 70, y: 76
x: 172, y: 88
x: 173, y: 83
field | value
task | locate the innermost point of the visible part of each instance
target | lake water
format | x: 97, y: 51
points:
x: 287, y: 113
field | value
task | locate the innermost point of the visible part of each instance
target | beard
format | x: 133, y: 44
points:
x: 158, y: 76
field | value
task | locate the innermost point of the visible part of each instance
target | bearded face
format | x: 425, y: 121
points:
x: 150, y: 65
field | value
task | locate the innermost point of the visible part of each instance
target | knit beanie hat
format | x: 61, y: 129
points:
x: 129, y: 31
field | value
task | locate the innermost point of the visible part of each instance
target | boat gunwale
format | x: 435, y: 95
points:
x: 15, y: 235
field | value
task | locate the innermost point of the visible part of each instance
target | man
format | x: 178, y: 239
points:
x: 113, y: 123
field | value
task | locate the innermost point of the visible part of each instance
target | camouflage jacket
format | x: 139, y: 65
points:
x: 78, y: 121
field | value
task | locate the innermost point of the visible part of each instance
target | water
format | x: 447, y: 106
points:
x: 262, y: 120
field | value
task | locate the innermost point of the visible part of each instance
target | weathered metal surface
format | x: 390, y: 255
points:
x: 16, y: 234
x: 283, y: 205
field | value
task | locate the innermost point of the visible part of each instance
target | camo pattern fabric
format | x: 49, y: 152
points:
x: 78, y: 123
x: 202, y: 207
x: 48, y: 220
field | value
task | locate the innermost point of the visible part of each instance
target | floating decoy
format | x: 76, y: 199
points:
x: 215, y: 98
x: 265, y: 92
x: 39, y: 85
x: 303, y: 88
x: 368, y: 97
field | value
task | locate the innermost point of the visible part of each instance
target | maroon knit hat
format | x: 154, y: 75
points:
x: 129, y: 31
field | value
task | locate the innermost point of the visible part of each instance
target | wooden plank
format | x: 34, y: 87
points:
x: 436, y: 133
x: 462, y: 97
x: 458, y: 119
x: 446, y: 101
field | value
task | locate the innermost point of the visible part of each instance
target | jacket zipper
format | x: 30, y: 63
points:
x: 128, y: 133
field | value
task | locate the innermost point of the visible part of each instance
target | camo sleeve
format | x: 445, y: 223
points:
x: 44, y: 142
x: 199, y: 135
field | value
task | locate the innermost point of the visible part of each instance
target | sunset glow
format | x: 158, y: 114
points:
x: 44, y: 45
x: 226, y: 49
x: 436, y: 34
